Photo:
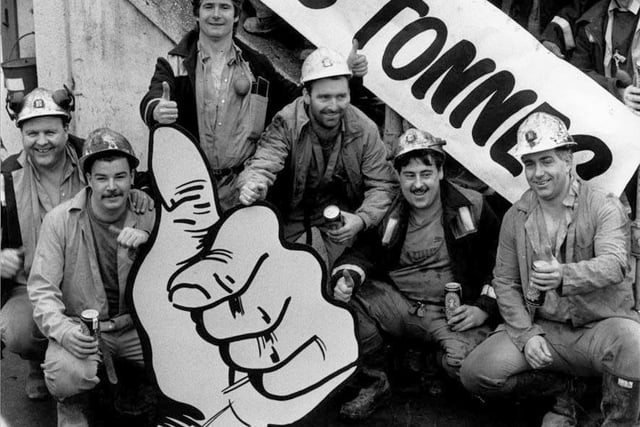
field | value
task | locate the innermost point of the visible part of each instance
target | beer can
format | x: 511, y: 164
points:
x: 333, y: 217
x: 534, y: 297
x: 90, y: 323
x: 452, y: 298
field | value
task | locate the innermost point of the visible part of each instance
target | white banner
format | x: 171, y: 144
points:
x: 466, y: 72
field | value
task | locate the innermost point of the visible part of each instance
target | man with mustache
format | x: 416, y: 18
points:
x: 563, y: 279
x: 318, y: 151
x: 44, y: 174
x: 394, y: 277
x: 85, y: 251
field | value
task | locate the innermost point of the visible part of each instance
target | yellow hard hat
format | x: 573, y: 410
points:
x: 541, y: 132
x: 324, y: 62
x: 42, y: 102
x: 416, y: 139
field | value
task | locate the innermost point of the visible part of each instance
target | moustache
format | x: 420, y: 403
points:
x: 111, y: 194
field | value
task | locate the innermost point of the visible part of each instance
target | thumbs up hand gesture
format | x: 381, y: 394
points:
x: 357, y: 62
x: 166, y: 110
x: 344, y: 287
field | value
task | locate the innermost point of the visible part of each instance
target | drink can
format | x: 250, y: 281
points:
x: 533, y: 296
x: 452, y: 298
x: 90, y: 323
x: 333, y: 217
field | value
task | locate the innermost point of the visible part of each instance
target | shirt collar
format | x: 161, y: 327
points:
x: 634, y: 6
x: 571, y: 198
x: 234, y: 54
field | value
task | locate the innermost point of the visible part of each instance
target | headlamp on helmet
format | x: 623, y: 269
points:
x: 541, y: 132
x: 40, y: 102
x: 104, y: 142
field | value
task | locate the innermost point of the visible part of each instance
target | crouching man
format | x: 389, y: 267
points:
x: 434, y: 233
x: 564, y: 286
x: 82, y: 260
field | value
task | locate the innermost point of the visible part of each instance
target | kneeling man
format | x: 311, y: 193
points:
x: 564, y: 285
x: 84, y: 254
x: 434, y: 233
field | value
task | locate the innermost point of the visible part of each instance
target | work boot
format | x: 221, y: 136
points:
x: 563, y: 413
x: 35, y: 386
x: 260, y: 26
x: 620, y: 402
x: 368, y: 398
x: 74, y: 411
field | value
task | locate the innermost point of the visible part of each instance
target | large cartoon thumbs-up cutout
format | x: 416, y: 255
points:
x: 233, y: 320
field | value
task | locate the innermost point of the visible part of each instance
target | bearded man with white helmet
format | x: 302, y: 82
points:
x: 570, y: 241
x: 320, y: 150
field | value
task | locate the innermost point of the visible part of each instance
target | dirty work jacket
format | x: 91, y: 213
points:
x: 184, y: 58
x: 285, y: 150
x: 65, y: 276
x: 472, y: 255
x: 596, y: 275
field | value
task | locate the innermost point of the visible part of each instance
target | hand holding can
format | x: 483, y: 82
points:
x: 333, y: 217
x: 452, y: 298
x: 90, y: 322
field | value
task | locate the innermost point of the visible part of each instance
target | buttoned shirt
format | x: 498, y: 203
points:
x: 224, y: 115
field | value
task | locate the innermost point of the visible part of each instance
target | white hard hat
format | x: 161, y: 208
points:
x: 416, y: 139
x: 541, y: 132
x: 323, y: 62
x: 42, y: 102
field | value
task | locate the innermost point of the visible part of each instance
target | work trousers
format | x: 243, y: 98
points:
x: 328, y: 250
x: 67, y: 375
x: 611, y: 346
x: 17, y: 328
x: 380, y: 307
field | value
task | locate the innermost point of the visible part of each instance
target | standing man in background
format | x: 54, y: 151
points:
x: 213, y: 89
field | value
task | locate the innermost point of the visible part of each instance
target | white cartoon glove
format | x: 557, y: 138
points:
x: 237, y: 325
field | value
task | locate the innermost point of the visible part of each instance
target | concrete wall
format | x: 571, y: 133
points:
x: 105, y: 51
x: 8, y: 131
